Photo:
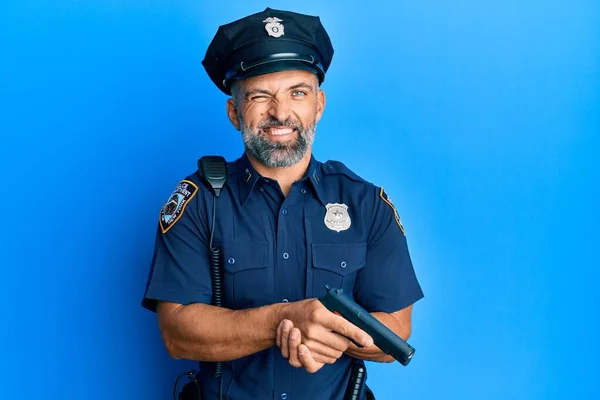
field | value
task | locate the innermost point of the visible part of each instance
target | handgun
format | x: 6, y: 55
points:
x: 336, y: 301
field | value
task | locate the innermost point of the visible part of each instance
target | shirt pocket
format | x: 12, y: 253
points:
x: 336, y: 264
x: 247, y: 271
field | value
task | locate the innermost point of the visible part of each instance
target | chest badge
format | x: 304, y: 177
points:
x: 337, y: 218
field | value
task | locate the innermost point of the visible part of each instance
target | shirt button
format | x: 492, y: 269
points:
x: 262, y: 189
x: 231, y: 260
x: 302, y: 191
x: 343, y: 264
x: 283, y: 396
x: 284, y: 211
x: 286, y: 256
x: 285, y: 300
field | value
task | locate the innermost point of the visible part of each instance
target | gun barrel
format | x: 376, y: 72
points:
x: 335, y: 300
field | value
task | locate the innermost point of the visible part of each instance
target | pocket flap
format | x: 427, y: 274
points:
x: 242, y: 256
x: 341, y: 258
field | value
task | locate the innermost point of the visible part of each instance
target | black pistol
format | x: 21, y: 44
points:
x: 336, y: 301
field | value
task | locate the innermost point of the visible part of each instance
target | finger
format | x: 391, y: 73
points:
x: 343, y: 327
x: 328, y: 339
x: 307, y: 360
x: 294, y: 343
x: 278, y: 335
x: 320, y: 358
x: 285, y: 333
x: 323, y: 353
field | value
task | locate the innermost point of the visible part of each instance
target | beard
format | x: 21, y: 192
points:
x: 278, y: 154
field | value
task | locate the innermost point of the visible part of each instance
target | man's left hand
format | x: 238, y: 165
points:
x: 289, y: 340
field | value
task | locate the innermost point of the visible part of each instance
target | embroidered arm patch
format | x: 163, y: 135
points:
x: 388, y: 201
x: 173, y: 209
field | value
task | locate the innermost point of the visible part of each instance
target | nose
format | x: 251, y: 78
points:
x: 280, y: 110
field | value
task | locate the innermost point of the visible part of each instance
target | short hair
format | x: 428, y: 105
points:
x: 235, y: 92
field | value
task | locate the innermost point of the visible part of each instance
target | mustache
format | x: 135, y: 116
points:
x: 273, y: 122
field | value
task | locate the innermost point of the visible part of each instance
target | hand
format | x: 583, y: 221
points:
x: 289, y: 341
x: 322, y: 332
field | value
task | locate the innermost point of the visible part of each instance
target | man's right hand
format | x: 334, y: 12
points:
x: 324, y: 333
x: 289, y: 341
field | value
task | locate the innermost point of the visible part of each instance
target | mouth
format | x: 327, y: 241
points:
x: 280, y: 132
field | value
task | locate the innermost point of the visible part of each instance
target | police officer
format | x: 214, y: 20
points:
x: 286, y: 225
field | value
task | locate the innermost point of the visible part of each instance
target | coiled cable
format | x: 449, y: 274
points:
x: 215, y: 273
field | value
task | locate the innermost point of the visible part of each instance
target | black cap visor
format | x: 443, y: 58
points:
x: 272, y: 66
x: 303, y: 59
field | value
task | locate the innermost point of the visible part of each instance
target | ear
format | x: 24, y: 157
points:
x: 232, y: 113
x: 321, y: 100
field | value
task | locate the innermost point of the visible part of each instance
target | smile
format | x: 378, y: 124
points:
x: 279, y: 131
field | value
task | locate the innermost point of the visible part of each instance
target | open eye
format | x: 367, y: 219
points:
x: 299, y: 93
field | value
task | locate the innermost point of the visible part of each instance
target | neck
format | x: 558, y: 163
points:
x: 285, y: 176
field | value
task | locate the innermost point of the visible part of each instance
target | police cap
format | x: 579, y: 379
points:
x: 266, y: 42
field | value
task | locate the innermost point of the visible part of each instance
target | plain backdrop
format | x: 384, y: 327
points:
x: 480, y: 118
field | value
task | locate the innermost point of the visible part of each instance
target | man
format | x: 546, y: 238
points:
x: 285, y: 225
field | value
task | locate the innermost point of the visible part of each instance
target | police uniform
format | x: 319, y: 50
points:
x: 334, y: 228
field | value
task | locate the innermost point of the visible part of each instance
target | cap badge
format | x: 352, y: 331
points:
x: 337, y: 218
x: 273, y: 26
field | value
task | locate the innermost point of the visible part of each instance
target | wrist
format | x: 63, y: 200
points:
x: 277, y: 313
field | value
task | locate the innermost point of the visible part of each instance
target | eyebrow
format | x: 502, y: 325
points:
x: 301, y: 85
x: 264, y: 91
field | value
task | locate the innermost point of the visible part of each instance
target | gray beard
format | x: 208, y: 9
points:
x: 278, y: 154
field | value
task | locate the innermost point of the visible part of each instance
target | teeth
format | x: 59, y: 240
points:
x: 285, y: 131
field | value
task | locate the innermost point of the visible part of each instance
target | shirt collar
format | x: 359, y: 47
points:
x: 247, y: 178
x: 315, y: 175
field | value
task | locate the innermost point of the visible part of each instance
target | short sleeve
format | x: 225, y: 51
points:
x: 180, y: 271
x: 388, y: 281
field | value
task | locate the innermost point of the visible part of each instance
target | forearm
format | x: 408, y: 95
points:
x: 207, y: 333
x: 373, y: 353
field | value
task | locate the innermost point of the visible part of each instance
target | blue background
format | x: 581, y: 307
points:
x: 481, y: 119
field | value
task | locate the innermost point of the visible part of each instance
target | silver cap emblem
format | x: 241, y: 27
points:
x: 273, y: 26
x: 337, y: 218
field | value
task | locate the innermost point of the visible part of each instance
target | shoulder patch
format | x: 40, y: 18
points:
x: 388, y: 201
x: 337, y: 167
x: 172, y: 210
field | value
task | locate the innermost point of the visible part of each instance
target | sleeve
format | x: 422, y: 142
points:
x: 180, y: 270
x: 388, y: 281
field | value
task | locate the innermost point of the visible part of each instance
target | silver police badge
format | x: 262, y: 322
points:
x: 273, y: 26
x: 337, y: 218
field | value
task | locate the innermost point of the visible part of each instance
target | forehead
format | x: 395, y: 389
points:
x: 280, y: 80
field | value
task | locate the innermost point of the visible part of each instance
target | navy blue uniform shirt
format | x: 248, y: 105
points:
x: 279, y: 249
